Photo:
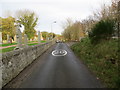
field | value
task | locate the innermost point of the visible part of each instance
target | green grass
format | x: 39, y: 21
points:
x: 4, y: 45
x: 7, y: 49
x: 101, y: 59
x: 32, y: 44
x: 43, y: 41
x: 12, y: 48
x: 32, y: 41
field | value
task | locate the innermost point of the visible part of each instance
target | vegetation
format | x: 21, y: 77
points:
x: 6, y: 49
x: 43, y: 41
x: 9, y: 44
x: 7, y: 27
x: 12, y: 48
x: 29, y: 20
x: 103, y: 30
x: 100, y: 20
x: 101, y: 59
x: 44, y: 34
x: 73, y: 31
x: 32, y: 44
x: 97, y: 48
x: 48, y: 35
x: 26, y: 18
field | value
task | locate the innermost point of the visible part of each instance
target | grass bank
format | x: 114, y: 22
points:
x: 9, y: 44
x: 29, y: 43
x: 12, y: 48
x: 6, y: 49
x: 101, y: 59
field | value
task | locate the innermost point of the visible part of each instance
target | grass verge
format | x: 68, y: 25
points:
x: 4, y: 45
x: 101, y: 59
x: 32, y: 44
x: 7, y: 49
x: 12, y: 48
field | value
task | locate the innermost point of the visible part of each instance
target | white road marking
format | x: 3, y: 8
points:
x: 59, y: 52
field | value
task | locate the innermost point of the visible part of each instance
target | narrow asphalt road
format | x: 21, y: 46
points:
x: 60, y: 71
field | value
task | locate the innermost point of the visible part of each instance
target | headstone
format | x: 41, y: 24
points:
x: 39, y: 37
x: 8, y: 38
x: 25, y: 40
x: 79, y: 38
x: 35, y: 38
x: 0, y: 37
x: 19, y: 38
x: 46, y: 37
x: 15, y: 38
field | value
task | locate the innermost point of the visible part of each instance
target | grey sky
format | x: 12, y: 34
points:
x: 49, y: 11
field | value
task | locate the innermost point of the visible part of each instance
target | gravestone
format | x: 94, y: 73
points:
x: 47, y: 37
x: 8, y: 38
x: 39, y: 37
x: 25, y: 40
x: 15, y: 38
x: 20, y: 41
x: 18, y: 38
x: 0, y: 37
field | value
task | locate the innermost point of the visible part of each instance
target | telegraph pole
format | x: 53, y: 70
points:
x: 118, y: 19
x: 118, y: 38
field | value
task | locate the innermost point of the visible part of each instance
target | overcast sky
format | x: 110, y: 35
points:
x: 49, y: 11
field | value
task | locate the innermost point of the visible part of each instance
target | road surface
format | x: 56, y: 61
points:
x: 65, y: 71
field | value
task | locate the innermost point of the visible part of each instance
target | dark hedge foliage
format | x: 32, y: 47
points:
x: 103, y: 30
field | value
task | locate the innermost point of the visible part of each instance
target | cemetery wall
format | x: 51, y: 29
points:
x: 15, y: 61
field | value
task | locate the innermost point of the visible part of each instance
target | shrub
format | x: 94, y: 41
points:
x: 103, y: 30
x: 102, y: 59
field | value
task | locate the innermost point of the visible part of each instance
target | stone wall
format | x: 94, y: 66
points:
x: 15, y: 61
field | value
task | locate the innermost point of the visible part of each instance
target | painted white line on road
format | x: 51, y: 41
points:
x: 59, y: 52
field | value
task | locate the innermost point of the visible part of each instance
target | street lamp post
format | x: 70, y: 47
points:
x: 52, y: 29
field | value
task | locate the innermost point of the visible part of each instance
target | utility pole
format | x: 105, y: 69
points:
x: 118, y: 20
